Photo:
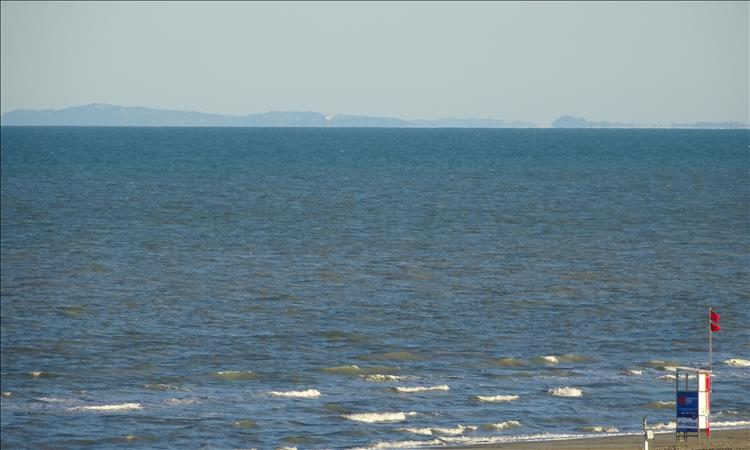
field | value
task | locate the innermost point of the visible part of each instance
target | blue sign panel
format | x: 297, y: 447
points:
x: 687, y: 411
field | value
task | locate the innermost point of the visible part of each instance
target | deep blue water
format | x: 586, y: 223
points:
x: 159, y: 284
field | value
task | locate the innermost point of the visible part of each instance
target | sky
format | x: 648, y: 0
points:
x: 632, y: 62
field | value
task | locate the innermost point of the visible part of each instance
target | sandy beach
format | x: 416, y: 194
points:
x: 720, y: 440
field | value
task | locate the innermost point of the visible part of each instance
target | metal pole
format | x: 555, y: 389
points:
x: 710, y: 341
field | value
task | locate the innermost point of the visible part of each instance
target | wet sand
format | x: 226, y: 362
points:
x: 720, y: 440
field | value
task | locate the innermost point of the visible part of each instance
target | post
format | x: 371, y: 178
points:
x: 645, y: 435
x: 710, y: 341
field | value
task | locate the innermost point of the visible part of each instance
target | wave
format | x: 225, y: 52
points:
x: 659, y: 404
x: 379, y: 377
x: 549, y: 359
x: 244, y: 423
x: 663, y: 426
x: 415, y: 389
x: 310, y: 393
x: 235, y: 375
x: 599, y: 429
x: 668, y: 377
x: 402, y: 355
x: 633, y: 372
x: 379, y: 417
x: 355, y: 370
x: 440, y: 431
x: 736, y: 362
x: 164, y: 387
x: 507, y: 425
x: 116, y: 407
x: 511, y: 362
x: 496, y: 398
x: 181, y: 401
x: 565, y: 392
x: 7, y: 394
x: 401, y: 444
x: 731, y: 424
x: 658, y: 364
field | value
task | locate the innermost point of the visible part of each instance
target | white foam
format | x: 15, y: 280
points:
x: 380, y: 377
x: 551, y: 359
x: 440, y: 431
x: 566, y: 392
x: 54, y: 400
x: 379, y: 417
x: 310, y: 393
x: 7, y: 394
x: 668, y: 377
x: 633, y: 372
x: 36, y: 374
x: 600, y: 429
x: 411, y: 390
x: 508, y: 424
x: 401, y: 444
x: 117, y: 407
x: 496, y: 398
x: 731, y: 424
x: 669, y: 368
x: 736, y: 362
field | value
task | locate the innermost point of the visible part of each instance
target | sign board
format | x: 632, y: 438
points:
x: 687, y: 411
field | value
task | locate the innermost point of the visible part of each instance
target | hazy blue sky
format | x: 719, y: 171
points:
x: 629, y: 62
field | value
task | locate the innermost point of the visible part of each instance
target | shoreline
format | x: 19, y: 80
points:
x: 725, y: 439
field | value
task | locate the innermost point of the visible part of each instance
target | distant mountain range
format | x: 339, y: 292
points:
x: 99, y: 114
x: 110, y: 115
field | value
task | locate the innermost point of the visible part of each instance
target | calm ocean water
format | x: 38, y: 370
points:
x: 336, y: 288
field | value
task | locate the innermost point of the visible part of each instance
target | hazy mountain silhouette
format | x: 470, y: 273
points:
x: 98, y: 114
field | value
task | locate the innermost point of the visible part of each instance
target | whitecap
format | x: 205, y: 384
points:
x: 736, y: 362
x: 401, y: 444
x: 440, y: 431
x: 508, y: 424
x: 565, y: 392
x: 414, y: 389
x: 599, y: 429
x: 668, y: 377
x: 633, y: 372
x: 7, y: 394
x: 379, y: 417
x: 382, y: 377
x: 310, y: 393
x: 116, y: 407
x: 731, y: 424
x: 496, y: 398
x: 36, y: 374
x: 236, y: 375
x: 550, y: 359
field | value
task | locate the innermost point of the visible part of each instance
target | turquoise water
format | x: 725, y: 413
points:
x: 235, y: 288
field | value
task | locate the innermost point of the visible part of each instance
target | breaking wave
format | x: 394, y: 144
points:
x: 310, y: 393
x: 668, y: 377
x: 736, y: 362
x: 379, y: 417
x: 565, y: 392
x: 440, y: 431
x: 379, y: 377
x: 117, y: 407
x: 411, y: 390
x: 507, y: 425
x: 496, y: 398
x: 660, y: 404
x: 599, y: 429
x: 236, y: 375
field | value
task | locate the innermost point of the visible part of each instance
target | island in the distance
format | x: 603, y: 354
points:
x: 99, y: 114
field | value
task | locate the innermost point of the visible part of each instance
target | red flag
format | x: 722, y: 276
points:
x: 714, y: 320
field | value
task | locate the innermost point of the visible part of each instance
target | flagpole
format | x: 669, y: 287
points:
x: 710, y: 341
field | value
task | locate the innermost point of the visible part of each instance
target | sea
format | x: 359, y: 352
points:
x: 366, y: 288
